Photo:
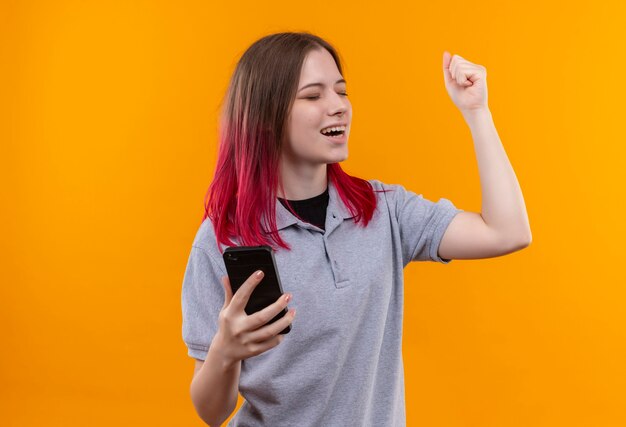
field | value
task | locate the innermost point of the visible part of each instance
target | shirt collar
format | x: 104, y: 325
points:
x: 284, y: 218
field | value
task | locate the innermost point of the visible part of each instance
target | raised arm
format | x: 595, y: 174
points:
x: 502, y: 226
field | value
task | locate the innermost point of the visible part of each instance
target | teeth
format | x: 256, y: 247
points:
x: 334, y: 128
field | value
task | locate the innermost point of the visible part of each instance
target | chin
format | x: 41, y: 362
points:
x: 337, y: 157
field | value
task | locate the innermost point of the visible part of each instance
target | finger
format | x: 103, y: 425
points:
x: 258, y: 348
x: 241, y: 297
x: 261, y: 317
x: 271, y: 330
x: 460, y: 75
x: 453, y: 63
x: 454, y: 69
x: 228, y: 291
x: 446, y: 67
x: 467, y: 75
x: 458, y: 61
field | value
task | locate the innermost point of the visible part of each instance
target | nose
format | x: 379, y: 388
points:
x: 339, y: 105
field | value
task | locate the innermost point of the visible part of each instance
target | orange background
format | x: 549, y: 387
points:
x: 108, y: 133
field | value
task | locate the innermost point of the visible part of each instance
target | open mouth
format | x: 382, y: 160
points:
x: 337, y: 134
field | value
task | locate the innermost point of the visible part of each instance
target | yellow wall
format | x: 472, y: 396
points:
x: 108, y: 137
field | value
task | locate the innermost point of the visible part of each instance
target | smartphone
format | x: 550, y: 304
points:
x: 241, y: 262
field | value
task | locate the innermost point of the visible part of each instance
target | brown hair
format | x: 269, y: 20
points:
x: 253, y: 122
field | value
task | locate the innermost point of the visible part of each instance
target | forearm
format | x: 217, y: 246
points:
x: 214, y: 388
x: 503, y: 207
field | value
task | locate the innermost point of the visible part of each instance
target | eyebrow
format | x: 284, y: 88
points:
x: 319, y: 84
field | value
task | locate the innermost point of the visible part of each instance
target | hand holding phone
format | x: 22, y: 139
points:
x: 240, y: 335
x: 241, y: 262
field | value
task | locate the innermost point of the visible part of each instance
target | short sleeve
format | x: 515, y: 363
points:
x: 422, y: 223
x: 202, y: 300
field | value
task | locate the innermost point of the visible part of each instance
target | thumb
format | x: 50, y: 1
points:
x: 447, y: 76
x: 228, y: 292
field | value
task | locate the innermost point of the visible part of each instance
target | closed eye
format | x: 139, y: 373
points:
x: 317, y: 96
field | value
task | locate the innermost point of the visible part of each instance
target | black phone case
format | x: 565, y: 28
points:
x: 241, y: 262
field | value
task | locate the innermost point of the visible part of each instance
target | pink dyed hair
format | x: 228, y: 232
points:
x: 252, y: 128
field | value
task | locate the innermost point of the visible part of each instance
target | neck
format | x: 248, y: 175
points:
x: 302, y: 181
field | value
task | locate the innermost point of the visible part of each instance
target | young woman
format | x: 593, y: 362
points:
x: 341, y: 245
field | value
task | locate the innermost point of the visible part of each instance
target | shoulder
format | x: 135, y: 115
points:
x: 378, y: 185
x: 398, y: 197
x: 386, y: 192
x: 205, y: 249
x: 387, y: 195
x: 205, y: 239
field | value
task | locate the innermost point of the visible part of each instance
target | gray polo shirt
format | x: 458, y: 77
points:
x: 341, y: 364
